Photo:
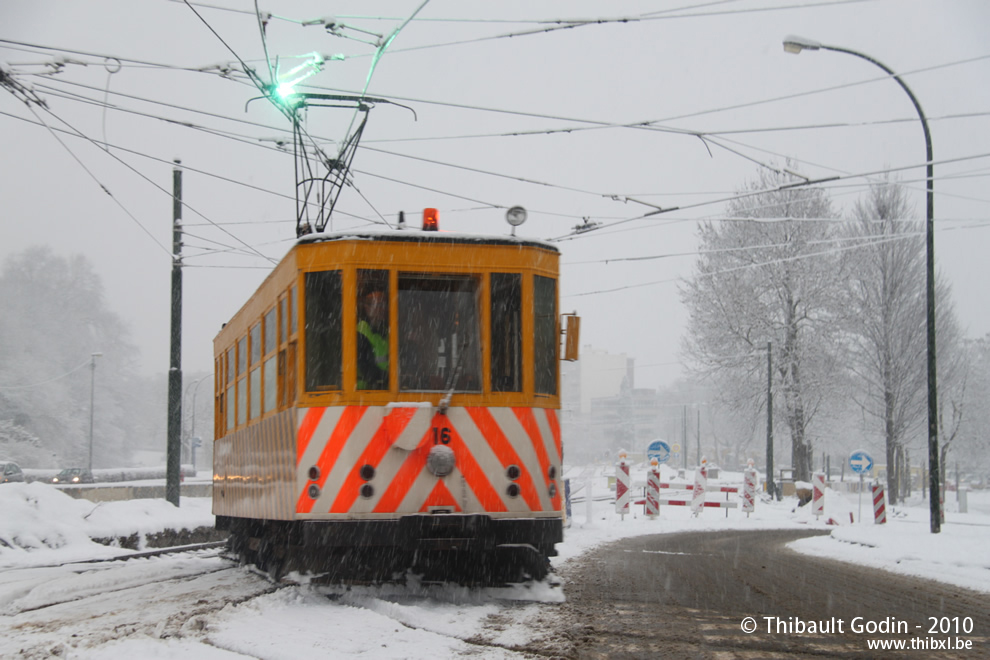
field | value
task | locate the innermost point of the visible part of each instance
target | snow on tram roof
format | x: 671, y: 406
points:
x: 418, y: 235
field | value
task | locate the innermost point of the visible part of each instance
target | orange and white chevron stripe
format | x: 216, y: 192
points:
x: 367, y: 462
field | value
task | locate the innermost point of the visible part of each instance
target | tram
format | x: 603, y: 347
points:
x: 387, y: 405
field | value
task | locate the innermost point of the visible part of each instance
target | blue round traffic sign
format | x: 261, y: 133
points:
x: 860, y: 462
x: 659, y: 450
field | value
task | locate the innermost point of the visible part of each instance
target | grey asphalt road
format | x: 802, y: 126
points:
x: 687, y: 596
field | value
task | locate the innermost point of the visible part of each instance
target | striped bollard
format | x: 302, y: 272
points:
x: 653, y: 489
x: 879, y: 510
x: 749, y: 490
x: 700, y: 485
x: 622, y: 483
x: 818, y: 494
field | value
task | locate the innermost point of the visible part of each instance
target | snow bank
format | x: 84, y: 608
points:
x: 40, y: 524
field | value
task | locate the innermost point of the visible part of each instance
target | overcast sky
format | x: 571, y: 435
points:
x: 715, y: 68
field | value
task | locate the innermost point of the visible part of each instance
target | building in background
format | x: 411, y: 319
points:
x: 602, y: 409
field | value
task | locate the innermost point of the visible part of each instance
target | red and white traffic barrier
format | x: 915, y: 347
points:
x: 721, y: 489
x: 653, y: 490
x: 879, y: 510
x: 622, y: 483
x: 818, y: 494
x: 749, y: 490
x: 700, y: 486
x: 690, y: 503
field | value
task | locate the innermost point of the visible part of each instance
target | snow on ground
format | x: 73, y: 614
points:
x: 40, y: 526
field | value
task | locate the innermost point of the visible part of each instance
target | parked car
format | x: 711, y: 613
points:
x: 73, y: 476
x: 10, y: 472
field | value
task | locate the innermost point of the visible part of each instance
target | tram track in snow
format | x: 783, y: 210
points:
x: 87, y: 604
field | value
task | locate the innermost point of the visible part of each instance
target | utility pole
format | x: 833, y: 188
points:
x: 684, y: 436
x: 697, y: 437
x: 173, y: 466
x: 770, y: 486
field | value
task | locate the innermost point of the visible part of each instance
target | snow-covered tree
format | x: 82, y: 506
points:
x: 54, y: 317
x: 887, y: 327
x: 888, y: 330
x: 769, y: 273
x: 973, y: 450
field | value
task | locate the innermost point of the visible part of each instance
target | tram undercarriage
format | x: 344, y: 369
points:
x: 471, y: 550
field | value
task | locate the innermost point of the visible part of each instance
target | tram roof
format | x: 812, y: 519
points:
x: 420, y: 236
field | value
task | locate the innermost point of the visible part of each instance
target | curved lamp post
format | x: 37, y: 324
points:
x: 796, y: 45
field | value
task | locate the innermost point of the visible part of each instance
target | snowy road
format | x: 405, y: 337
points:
x: 688, y: 595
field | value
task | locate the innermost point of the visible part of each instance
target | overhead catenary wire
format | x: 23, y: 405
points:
x: 972, y: 59
x: 434, y: 190
x: 437, y: 162
x: 160, y: 188
x: 797, y: 257
x: 741, y: 248
x: 651, y: 124
x: 102, y: 186
x: 752, y: 193
x: 86, y: 363
x: 880, y: 240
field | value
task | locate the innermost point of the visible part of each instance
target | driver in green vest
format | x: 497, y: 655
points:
x: 372, y: 331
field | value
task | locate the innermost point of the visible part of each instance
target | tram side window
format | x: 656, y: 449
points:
x: 439, y: 348
x: 241, y: 381
x: 231, y: 363
x: 545, y: 341
x: 506, y: 332
x: 372, y: 329
x: 323, y: 330
x: 270, y: 385
x: 254, y: 365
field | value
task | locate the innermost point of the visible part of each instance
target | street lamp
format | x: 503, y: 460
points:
x: 92, y: 393
x: 192, y: 431
x: 796, y: 45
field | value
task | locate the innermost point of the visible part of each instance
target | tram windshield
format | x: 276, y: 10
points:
x: 439, y: 344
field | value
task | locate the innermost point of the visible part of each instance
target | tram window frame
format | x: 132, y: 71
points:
x: 505, y: 295
x: 323, y: 328
x: 293, y: 311
x: 283, y: 339
x: 269, y: 385
x: 228, y: 386
x: 288, y: 373
x: 370, y: 375
x: 416, y: 293
x: 545, y: 342
x: 241, y: 382
x: 254, y: 367
x: 219, y: 392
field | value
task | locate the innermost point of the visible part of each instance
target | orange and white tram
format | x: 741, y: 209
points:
x: 388, y: 401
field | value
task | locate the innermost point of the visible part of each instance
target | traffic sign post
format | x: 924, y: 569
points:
x: 860, y: 462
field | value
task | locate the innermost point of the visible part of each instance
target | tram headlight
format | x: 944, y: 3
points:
x: 313, y: 491
x: 441, y: 460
